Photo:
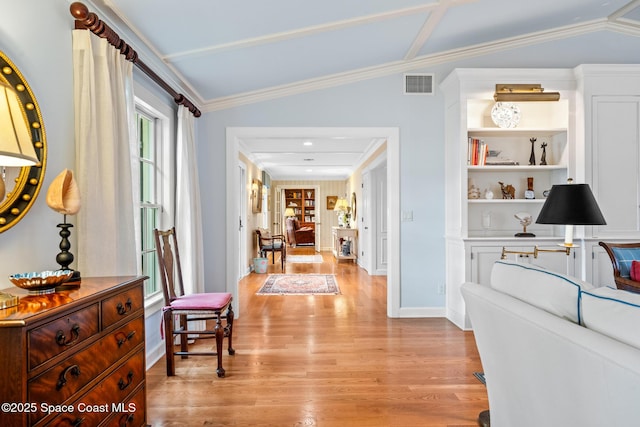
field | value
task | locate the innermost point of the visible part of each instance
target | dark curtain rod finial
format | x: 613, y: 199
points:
x: 86, y: 20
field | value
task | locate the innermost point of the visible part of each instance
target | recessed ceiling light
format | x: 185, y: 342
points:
x: 308, y: 143
x: 309, y: 170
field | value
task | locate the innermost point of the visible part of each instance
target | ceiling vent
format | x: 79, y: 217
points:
x: 418, y: 84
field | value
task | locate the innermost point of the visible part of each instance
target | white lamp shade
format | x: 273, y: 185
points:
x: 289, y: 212
x: 16, y: 147
x: 341, y: 205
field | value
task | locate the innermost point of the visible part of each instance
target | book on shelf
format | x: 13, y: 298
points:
x: 477, y: 152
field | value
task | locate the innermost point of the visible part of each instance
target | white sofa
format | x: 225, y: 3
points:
x: 548, y: 352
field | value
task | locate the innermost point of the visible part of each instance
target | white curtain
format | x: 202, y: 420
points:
x: 108, y: 221
x: 188, y: 215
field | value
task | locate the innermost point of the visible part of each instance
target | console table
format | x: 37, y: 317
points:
x: 76, y: 356
x: 342, y: 235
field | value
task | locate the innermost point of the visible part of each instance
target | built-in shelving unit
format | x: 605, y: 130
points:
x: 303, y: 202
x: 477, y: 226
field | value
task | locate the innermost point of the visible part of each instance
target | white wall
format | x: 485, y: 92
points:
x: 36, y: 36
x: 374, y: 103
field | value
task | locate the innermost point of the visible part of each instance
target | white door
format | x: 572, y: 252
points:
x: 364, y: 224
x: 380, y: 232
x: 242, y: 218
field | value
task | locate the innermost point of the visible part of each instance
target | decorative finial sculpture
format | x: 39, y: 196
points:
x: 63, y: 197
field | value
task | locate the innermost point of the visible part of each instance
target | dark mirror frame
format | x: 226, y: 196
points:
x: 21, y: 196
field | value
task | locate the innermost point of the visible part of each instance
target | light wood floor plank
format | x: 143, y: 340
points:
x: 325, y: 361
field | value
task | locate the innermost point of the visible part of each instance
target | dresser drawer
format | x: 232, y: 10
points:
x: 61, y: 334
x: 59, y: 383
x: 121, y: 306
x: 133, y: 415
x: 106, y: 398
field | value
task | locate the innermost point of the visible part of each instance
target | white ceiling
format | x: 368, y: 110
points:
x: 230, y: 53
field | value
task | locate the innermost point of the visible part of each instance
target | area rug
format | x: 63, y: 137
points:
x: 300, y: 284
x: 301, y: 259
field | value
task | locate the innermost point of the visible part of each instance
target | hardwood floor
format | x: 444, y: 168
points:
x: 331, y: 361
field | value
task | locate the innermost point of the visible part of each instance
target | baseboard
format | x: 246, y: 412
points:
x: 155, y: 354
x: 408, y: 312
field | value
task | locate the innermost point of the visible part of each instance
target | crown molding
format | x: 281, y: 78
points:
x: 395, y: 67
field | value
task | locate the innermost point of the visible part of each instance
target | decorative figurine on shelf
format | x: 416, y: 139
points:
x: 488, y: 194
x: 529, y: 194
x: 473, y: 192
x: 525, y: 220
x: 508, y: 191
x: 543, y: 159
x: 532, y: 157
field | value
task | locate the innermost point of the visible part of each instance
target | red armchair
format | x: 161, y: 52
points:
x: 297, y: 235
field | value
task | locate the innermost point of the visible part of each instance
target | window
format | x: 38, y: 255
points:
x: 156, y: 139
x: 150, y: 207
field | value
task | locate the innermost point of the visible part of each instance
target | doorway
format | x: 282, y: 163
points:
x: 392, y: 136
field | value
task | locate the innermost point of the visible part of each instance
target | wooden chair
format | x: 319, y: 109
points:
x: 273, y: 243
x: 622, y: 255
x: 204, y: 306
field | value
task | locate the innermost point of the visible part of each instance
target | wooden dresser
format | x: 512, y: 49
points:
x: 75, y: 357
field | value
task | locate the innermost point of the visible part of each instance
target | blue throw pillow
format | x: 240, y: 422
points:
x: 625, y: 256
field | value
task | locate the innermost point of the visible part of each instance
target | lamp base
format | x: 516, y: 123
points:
x: 524, y: 235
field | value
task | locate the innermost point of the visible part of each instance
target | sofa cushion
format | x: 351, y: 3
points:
x: 613, y: 312
x: 625, y: 257
x: 553, y: 292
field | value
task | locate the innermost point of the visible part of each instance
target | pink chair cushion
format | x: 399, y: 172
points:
x: 204, y: 301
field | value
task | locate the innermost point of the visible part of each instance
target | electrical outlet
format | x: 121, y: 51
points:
x: 441, y: 290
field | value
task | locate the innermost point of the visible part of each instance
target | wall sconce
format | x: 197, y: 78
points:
x: 567, y: 204
x: 523, y: 93
x: 16, y: 146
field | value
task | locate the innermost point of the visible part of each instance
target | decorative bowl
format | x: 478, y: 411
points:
x: 44, y: 282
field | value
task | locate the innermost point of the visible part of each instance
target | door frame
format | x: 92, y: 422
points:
x: 391, y: 134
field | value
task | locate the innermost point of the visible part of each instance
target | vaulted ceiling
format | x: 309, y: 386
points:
x: 230, y: 53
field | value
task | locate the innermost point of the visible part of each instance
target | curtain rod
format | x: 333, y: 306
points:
x: 86, y: 20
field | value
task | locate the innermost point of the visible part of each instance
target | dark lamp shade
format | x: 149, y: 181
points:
x: 571, y: 204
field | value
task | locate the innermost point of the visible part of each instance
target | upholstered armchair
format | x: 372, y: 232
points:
x: 625, y: 259
x: 297, y: 235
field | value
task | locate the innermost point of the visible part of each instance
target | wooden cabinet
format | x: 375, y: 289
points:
x: 303, y: 202
x: 345, y: 243
x: 76, y: 356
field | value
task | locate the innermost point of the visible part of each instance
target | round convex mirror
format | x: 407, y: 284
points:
x: 21, y: 184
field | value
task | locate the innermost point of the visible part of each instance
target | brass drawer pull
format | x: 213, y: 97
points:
x: 122, y: 385
x: 122, y: 338
x: 124, y: 309
x: 73, y: 370
x: 61, y: 338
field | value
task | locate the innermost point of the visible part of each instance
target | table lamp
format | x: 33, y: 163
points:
x: 570, y: 204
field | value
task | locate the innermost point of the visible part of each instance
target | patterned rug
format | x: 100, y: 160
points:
x: 300, y: 284
x: 301, y: 259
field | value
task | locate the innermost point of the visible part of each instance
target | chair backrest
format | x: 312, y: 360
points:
x: 622, y: 255
x: 169, y: 264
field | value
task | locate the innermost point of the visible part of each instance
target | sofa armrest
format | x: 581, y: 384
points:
x: 542, y: 370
